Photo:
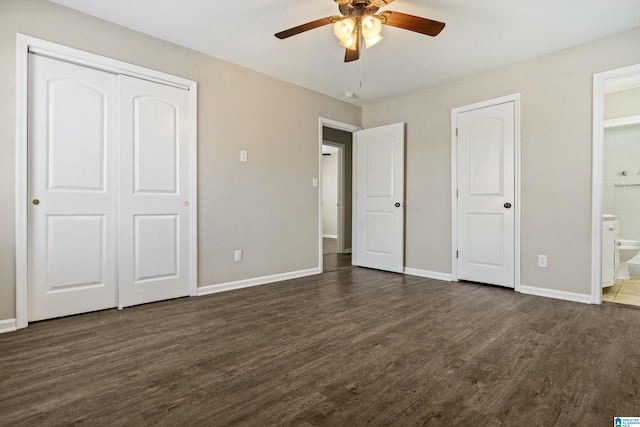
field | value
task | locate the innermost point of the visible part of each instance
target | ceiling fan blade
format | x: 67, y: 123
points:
x: 351, y: 55
x: 354, y: 54
x: 304, y: 27
x: 413, y: 23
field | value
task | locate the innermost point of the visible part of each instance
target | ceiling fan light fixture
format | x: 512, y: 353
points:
x: 349, y: 43
x: 371, y: 27
x: 344, y: 28
x: 370, y: 42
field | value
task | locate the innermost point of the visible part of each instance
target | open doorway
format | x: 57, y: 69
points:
x: 332, y: 199
x: 616, y: 187
x: 335, y: 194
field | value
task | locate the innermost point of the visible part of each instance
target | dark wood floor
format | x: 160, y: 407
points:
x: 350, y: 347
x: 331, y: 259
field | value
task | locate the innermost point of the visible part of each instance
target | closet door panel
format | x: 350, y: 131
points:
x: 154, y: 192
x: 72, y: 188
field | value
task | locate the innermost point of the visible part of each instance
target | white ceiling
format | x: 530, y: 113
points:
x: 479, y: 35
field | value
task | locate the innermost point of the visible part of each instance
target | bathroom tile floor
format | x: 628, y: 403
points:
x: 624, y: 291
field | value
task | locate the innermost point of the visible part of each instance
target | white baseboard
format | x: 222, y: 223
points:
x: 347, y: 251
x: 428, y: 274
x: 552, y: 293
x: 330, y: 236
x: 8, y: 325
x: 229, y: 286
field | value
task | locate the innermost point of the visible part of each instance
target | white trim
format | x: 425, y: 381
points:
x: 26, y: 44
x: 102, y: 63
x: 428, y: 274
x: 616, y: 85
x: 599, y: 82
x: 8, y: 325
x: 257, y: 281
x: 347, y: 251
x: 21, y: 192
x: 333, y: 124
x: 193, y: 196
x: 622, y: 121
x: 515, y: 98
x: 552, y: 293
x: 330, y: 236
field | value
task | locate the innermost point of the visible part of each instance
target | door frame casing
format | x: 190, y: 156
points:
x: 333, y: 124
x: 597, y: 173
x: 515, y: 98
x: 26, y: 45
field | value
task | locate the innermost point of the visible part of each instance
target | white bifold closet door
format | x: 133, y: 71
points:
x: 108, y: 185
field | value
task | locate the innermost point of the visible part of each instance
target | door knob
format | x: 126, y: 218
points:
x: 36, y: 202
x: 507, y: 205
x: 397, y: 204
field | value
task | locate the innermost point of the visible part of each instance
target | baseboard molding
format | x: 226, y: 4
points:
x: 8, y: 325
x: 230, y: 286
x: 552, y: 293
x: 330, y: 236
x: 428, y: 274
x: 347, y: 251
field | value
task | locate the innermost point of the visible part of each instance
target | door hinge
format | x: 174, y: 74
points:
x: 456, y: 193
x: 457, y: 254
x: 456, y: 132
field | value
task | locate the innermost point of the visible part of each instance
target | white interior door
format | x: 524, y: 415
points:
x: 379, y: 198
x: 486, y: 190
x: 72, y: 189
x: 154, y: 192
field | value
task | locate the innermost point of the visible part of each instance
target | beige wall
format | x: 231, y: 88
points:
x: 267, y: 207
x: 556, y: 158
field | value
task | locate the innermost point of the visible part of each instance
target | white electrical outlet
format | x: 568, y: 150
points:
x: 243, y: 156
x: 542, y: 260
x: 237, y: 255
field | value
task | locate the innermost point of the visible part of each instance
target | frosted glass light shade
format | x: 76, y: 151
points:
x: 371, y: 27
x: 370, y: 42
x: 343, y: 29
x: 350, y: 43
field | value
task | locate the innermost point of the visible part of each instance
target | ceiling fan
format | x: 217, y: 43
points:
x: 359, y: 22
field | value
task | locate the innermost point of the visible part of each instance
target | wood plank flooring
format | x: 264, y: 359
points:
x: 331, y: 259
x: 347, y: 348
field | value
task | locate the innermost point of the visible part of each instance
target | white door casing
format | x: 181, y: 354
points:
x: 85, y: 228
x: 72, y: 188
x: 329, y: 123
x: 154, y: 194
x: 622, y: 78
x: 379, y: 198
x: 486, y: 194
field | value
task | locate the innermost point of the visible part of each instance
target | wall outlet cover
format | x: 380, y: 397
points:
x: 542, y: 260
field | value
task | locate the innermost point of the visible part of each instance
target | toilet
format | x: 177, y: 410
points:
x: 627, y: 249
